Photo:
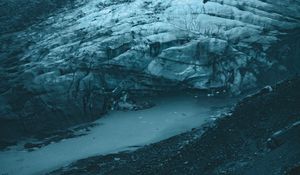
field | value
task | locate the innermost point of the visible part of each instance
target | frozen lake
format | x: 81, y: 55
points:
x: 117, y: 131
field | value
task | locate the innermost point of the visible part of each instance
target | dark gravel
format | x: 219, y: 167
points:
x: 236, y: 144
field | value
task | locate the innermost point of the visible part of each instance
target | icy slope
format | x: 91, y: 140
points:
x: 66, y: 67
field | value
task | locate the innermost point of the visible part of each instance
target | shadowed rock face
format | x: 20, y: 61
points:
x: 15, y: 15
x: 66, y: 67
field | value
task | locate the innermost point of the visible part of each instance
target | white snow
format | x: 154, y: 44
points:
x: 117, y: 131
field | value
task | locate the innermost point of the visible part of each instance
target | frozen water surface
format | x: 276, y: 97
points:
x: 117, y: 131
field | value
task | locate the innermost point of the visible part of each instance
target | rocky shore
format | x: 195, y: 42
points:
x: 260, y: 136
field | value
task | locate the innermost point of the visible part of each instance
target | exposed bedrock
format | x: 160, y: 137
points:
x: 71, y: 66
